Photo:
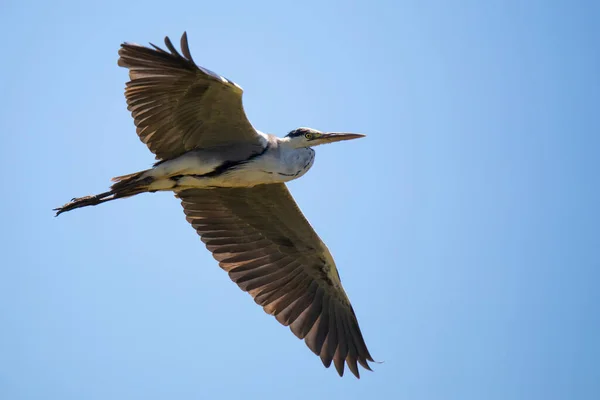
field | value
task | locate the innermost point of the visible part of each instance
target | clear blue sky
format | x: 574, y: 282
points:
x: 465, y: 227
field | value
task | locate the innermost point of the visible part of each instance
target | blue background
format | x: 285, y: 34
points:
x: 465, y: 226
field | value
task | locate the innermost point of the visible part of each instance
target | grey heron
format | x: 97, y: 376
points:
x: 230, y: 179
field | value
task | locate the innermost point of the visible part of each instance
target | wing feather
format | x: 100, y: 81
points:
x: 178, y: 106
x: 260, y: 237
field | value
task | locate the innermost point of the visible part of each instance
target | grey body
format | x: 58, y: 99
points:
x: 230, y: 179
x: 234, y: 166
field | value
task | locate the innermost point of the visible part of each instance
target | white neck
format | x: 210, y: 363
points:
x: 292, y: 143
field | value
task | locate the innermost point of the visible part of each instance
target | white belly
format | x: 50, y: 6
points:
x: 192, y: 172
x: 263, y: 170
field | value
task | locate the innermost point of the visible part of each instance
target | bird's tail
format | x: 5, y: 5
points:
x: 124, y: 186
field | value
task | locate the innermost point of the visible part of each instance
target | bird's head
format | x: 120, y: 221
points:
x: 308, y: 137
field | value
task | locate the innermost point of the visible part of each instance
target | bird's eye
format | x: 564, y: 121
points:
x: 308, y: 136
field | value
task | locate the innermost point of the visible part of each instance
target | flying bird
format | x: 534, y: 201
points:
x: 230, y: 179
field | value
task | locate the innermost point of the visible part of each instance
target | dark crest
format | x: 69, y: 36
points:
x: 300, y: 132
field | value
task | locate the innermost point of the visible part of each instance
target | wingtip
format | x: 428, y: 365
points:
x: 339, y: 366
x: 185, y: 47
x: 354, y: 371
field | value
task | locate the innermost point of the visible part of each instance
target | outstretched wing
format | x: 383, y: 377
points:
x: 178, y: 106
x: 261, y: 238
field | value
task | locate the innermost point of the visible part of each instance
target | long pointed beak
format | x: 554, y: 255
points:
x: 331, y: 137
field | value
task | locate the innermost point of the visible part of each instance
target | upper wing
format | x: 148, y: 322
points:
x: 178, y: 106
x: 260, y: 237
